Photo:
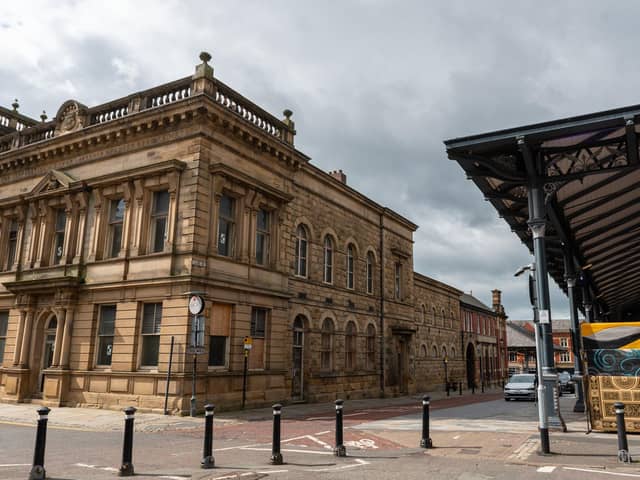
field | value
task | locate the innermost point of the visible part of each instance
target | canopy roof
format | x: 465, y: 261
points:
x: 589, y: 169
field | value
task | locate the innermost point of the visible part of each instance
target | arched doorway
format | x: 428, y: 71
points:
x: 471, y: 365
x: 43, y: 353
x: 297, y: 377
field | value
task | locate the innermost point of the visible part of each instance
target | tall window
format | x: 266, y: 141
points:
x: 328, y: 259
x: 116, y: 217
x: 151, y: 318
x: 226, y: 226
x: 159, y: 216
x: 423, y: 313
x: 350, y: 262
x: 12, y: 244
x: 566, y: 355
x: 219, y: 335
x: 512, y: 357
x: 58, y: 235
x: 106, y: 329
x: 262, y: 237
x: 259, y: 319
x: 4, y: 324
x: 397, y: 291
x: 371, y: 347
x: 301, y: 252
x: 370, y: 272
x: 326, y: 344
x: 350, y: 346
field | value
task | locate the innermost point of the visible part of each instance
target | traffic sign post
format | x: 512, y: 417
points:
x: 248, y: 344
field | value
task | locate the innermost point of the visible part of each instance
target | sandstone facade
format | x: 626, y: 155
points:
x: 111, y: 215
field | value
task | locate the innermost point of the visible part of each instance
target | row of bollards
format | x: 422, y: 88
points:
x: 126, y: 469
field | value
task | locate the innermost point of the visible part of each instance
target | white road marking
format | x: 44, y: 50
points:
x: 323, y: 433
x: 359, y: 463
x: 14, y: 464
x: 456, y: 437
x: 331, y: 418
x: 271, y: 471
x: 316, y: 452
x: 320, y: 442
x: 546, y: 469
x: 362, y: 444
x: 601, y: 471
x: 246, y: 474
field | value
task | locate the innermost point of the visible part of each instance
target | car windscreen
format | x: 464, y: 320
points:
x: 522, y: 379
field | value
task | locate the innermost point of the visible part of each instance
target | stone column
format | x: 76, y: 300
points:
x: 61, y: 317
x: 137, y: 247
x: 97, y: 231
x: 82, y: 222
x: 174, y: 180
x: 66, y: 340
x: 19, y: 334
x: 26, y: 339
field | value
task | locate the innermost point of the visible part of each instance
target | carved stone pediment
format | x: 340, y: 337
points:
x: 54, y: 180
x: 71, y: 116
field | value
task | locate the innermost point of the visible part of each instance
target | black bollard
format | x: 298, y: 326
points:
x: 623, y: 446
x: 207, y: 454
x: 37, y: 470
x: 425, y: 442
x: 447, y: 388
x: 276, y: 456
x: 340, y: 450
x: 482, y: 386
x: 473, y: 388
x: 126, y: 470
x: 459, y: 388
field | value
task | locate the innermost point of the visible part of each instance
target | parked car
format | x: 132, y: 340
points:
x: 521, y: 386
x: 566, y: 385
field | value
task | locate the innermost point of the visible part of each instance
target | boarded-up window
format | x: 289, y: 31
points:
x: 219, y: 334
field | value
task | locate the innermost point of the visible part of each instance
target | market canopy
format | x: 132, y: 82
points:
x: 589, y: 169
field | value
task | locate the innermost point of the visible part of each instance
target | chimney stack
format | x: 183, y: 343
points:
x: 497, y: 301
x: 339, y: 175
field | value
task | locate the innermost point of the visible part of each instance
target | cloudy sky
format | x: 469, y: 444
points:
x: 375, y: 87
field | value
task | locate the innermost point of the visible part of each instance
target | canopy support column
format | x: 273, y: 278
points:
x: 570, y: 277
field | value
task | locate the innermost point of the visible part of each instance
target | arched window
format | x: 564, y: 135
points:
x: 423, y: 312
x: 453, y: 352
x: 423, y: 351
x: 301, y: 251
x: 370, y: 264
x: 326, y: 344
x: 328, y: 259
x: 350, y: 264
x: 434, y: 351
x: 371, y: 346
x: 350, y: 346
x: 444, y: 352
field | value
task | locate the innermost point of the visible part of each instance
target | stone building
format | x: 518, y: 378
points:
x: 111, y: 215
x: 484, y: 336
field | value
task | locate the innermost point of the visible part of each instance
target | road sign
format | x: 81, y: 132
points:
x: 248, y: 343
x: 195, y: 350
x: 196, y: 304
x: 544, y: 316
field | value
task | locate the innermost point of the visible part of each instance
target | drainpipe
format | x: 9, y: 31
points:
x: 381, y: 262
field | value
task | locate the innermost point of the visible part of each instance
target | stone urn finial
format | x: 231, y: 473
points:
x: 43, y: 116
x: 287, y: 114
x: 205, y: 57
x: 15, y: 105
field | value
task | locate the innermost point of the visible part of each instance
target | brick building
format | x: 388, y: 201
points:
x: 521, y: 346
x: 111, y: 214
x: 484, y: 337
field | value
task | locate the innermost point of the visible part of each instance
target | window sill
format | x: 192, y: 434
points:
x: 146, y: 369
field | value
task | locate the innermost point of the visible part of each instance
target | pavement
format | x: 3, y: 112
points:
x: 468, y: 429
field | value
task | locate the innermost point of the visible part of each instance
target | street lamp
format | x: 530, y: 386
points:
x: 543, y: 418
x: 445, y: 360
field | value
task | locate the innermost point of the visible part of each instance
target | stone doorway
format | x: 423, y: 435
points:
x: 43, y: 354
x: 471, y: 365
